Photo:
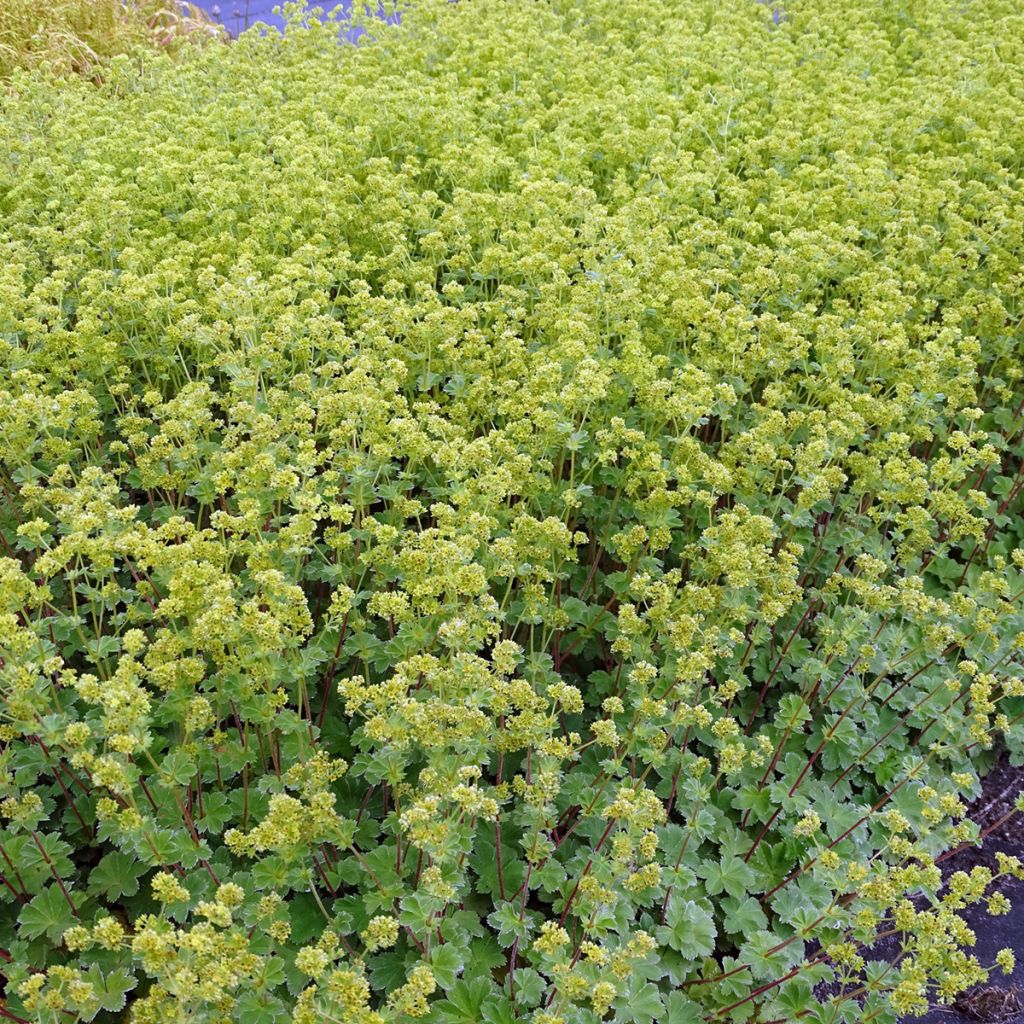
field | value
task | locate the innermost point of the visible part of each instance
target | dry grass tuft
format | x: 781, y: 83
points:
x: 79, y: 36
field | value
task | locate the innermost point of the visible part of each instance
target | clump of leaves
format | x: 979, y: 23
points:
x: 68, y: 36
x: 515, y: 519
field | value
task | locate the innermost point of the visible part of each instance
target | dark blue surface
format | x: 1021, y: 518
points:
x: 238, y: 15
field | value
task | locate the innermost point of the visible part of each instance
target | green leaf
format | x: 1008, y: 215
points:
x: 216, y: 813
x: 102, y: 647
x: 388, y: 971
x: 530, y: 987
x: 446, y: 962
x: 743, y: 916
x: 682, y: 1010
x: 111, y: 987
x: 273, y: 973
x: 464, y: 1002
x: 158, y: 848
x: 461, y: 925
x: 729, y: 875
x: 270, y: 873
x: 761, y: 954
x: 177, y: 768
x: 485, y: 863
x: 30, y: 859
x: 47, y: 913
x: 487, y: 955
x: 794, y: 998
x: 688, y: 928
x: 307, y: 919
x: 497, y: 1009
x: 116, y: 875
x: 256, y: 1008
x: 640, y: 1004
x: 793, y: 710
x: 509, y: 926
x: 550, y: 877
x: 417, y: 911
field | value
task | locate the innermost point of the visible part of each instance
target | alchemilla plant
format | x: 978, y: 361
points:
x: 518, y: 519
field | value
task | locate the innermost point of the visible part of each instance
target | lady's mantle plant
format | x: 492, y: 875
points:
x: 518, y: 519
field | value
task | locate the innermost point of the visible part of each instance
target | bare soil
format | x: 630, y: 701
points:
x: 1001, y: 1001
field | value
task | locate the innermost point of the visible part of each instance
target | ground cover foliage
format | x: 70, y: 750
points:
x: 518, y: 519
